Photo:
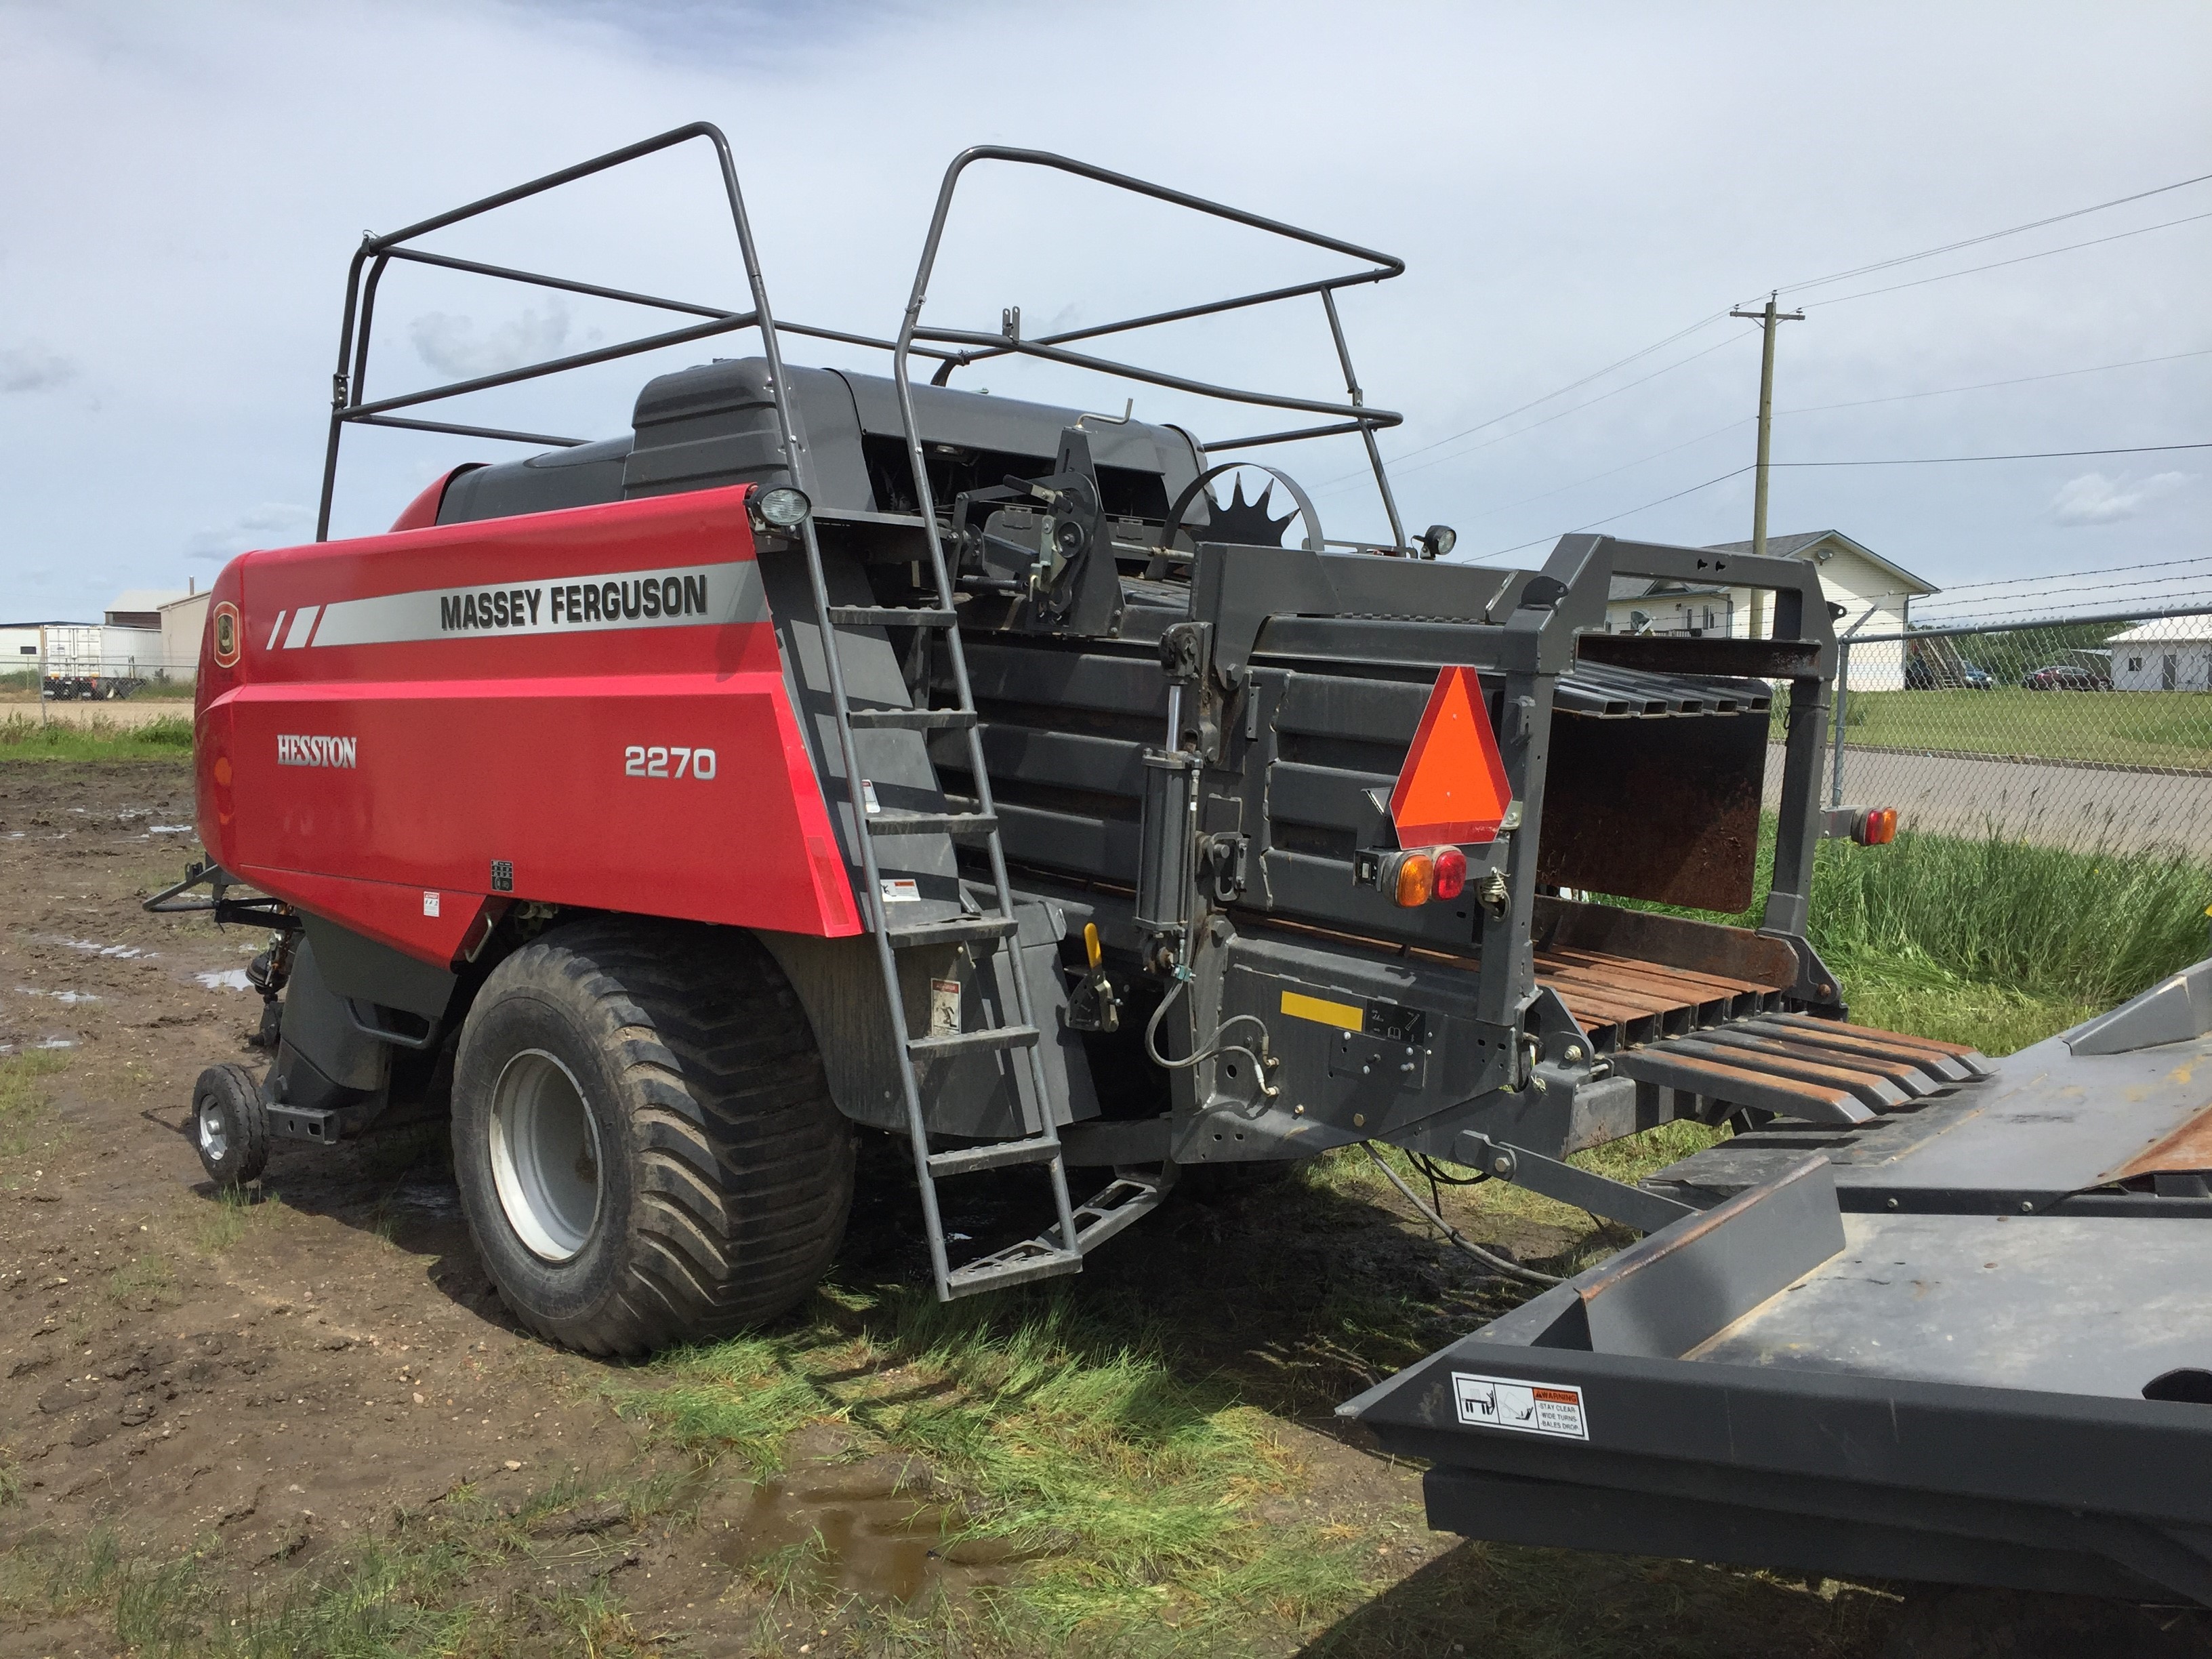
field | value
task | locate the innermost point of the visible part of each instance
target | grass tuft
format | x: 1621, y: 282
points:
x: 23, y: 1102
x: 142, y: 1284
x: 235, y: 1212
x: 170, y: 737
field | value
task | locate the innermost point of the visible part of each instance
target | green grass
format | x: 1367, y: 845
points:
x: 2124, y: 728
x: 1989, y: 941
x: 232, y: 1215
x: 24, y: 737
x: 23, y: 1105
x: 402, y: 1594
x: 1064, y: 1431
x: 142, y: 1284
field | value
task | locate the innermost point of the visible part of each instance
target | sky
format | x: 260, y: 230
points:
x: 1568, y: 186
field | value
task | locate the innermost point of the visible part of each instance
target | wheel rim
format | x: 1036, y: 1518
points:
x: 214, y: 1129
x: 545, y: 1156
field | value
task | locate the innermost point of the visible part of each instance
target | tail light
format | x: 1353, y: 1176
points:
x: 1414, y: 877
x: 1451, y: 872
x: 1877, y: 827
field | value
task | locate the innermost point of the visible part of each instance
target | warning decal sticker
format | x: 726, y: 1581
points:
x: 1504, y: 1402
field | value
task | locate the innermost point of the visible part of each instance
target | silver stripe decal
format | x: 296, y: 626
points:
x: 278, y: 631
x: 679, y: 597
x: 303, y: 624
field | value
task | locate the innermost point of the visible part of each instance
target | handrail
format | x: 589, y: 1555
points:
x: 1358, y: 417
x: 350, y: 404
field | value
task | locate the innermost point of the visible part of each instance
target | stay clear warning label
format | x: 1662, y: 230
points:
x: 1505, y: 1402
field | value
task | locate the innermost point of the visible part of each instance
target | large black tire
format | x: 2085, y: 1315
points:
x: 230, y: 1125
x: 646, y: 1102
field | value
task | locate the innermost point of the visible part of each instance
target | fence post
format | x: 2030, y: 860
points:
x: 1842, y: 692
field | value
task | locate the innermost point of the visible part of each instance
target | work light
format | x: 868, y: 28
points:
x: 781, y: 507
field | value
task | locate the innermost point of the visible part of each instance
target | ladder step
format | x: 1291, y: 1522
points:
x: 911, y: 719
x: 966, y: 1160
x: 968, y: 1043
x: 892, y: 616
x: 929, y: 824
x: 1034, y: 1258
x: 954, y: 932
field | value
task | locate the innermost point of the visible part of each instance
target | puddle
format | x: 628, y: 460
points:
x: 225, y: 979
x: 169, y: 830
x: 856, y: 1532
x: 43, y: 1042
x: 58, y: 996
x: 121, y: 952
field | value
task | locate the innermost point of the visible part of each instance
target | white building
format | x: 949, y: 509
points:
x: 20, y: 645
x: 2172, y: 653
x: 184, y: 621
x: 1877, y: 596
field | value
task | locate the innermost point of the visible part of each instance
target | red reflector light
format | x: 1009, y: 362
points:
x: 1451, y: 872
x: 1413, y: 880
x: 1878, y: 827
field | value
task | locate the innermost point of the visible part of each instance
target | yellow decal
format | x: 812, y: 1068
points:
x: 1344, y: 1014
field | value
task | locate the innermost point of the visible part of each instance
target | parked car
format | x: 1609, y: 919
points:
x: 2062, y: 677
x: 1921, y: 675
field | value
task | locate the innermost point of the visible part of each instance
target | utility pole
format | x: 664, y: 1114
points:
x: 1765, y: 318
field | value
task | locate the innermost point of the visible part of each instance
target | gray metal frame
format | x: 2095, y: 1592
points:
x: 350, y: 406
x: 1354, y: 415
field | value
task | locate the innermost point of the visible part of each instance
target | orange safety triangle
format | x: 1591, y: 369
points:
x: 1452, y: 789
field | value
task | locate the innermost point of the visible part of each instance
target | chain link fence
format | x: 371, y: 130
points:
x: 77, y: 687
x: 2087, y: 733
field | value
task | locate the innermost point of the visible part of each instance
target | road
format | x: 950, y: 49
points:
x: 2053, y: 804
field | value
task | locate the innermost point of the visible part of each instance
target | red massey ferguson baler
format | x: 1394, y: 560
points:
x: 389, y: 729
x: 833, y: 754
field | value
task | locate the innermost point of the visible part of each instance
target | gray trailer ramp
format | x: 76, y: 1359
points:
x: 1967, y: 1340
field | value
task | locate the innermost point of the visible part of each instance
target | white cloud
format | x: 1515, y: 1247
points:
x: 453, y: 345
x: 32, y: 368
x: 272, y: 524
x: 2093, y: 498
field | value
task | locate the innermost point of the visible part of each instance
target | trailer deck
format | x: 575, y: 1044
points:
x: 1965, y: 1340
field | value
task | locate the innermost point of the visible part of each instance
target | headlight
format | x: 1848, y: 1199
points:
x: 1439, y: 539
x: 781, y: 508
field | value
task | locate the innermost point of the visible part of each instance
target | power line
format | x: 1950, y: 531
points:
x: 1922, y: 282
x: 1572, y: 386
x: 1989, y: 236
x: 2034, y: 455
x: 1817, y: 281
x: 1815, y: 409
x: 1913, y: 460
x: 1739, y: 473
x: 1351, y: 478
x: 1982, y: 385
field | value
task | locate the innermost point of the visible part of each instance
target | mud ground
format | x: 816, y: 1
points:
x: 284, y: 1384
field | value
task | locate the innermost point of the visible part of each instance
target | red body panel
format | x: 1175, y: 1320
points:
x: 410, y: 710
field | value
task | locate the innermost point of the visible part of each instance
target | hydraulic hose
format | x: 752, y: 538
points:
x: 1513, y: 1269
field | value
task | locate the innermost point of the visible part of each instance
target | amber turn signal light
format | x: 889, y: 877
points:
x: 1411, y: 880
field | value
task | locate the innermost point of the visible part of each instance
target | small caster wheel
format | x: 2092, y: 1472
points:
x: 230, y: 1127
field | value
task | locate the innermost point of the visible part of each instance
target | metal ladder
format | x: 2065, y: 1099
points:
x: 1043, y: 1256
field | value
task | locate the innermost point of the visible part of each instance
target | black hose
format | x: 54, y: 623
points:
x: 1514, y: 1269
